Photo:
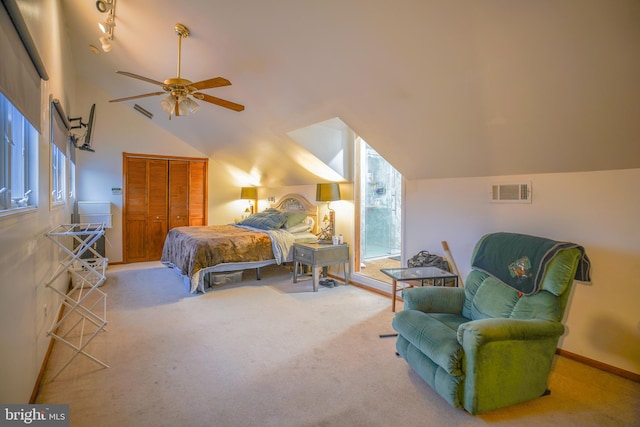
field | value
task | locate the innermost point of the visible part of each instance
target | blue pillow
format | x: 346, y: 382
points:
x: 270, y: 219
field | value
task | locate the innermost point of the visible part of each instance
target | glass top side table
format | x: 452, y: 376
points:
x: 432, y: 274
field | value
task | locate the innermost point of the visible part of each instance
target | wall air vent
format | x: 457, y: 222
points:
x: 511, y: 193
x: 143, y: 111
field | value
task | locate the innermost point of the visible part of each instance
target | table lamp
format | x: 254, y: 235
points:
x: 328, y: 192
x: 251, y: 194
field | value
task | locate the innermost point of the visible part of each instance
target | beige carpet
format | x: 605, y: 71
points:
x: 271, y: 353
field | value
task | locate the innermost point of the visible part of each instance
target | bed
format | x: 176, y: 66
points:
x: 262, y: 239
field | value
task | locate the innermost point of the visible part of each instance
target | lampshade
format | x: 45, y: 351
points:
x: 187, y: 106
x: 327, y: 192
x: 248, y: 193
x: 168, y: 104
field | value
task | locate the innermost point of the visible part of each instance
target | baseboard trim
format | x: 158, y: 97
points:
x: 368, y: 288
x: 36, y: 387
x: 360, y: 285
x: 45, y: 361
x: 599, y: 365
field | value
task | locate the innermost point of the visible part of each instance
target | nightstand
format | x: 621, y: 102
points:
x: 318, y: 255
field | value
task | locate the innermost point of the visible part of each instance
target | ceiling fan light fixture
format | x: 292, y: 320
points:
x: 180, y: 91
x: 168, y: 104
x: 187, y: 105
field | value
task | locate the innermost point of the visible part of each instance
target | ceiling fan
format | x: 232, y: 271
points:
x: 180, y: 91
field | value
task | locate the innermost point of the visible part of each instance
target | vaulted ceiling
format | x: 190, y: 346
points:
x: 439, y: 88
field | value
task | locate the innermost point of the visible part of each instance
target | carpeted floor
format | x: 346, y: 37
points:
x: 273, y: 353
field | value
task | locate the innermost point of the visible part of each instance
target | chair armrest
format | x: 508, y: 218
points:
x: 506, y: 361
x: 482, y: 331
x: 434, y: 299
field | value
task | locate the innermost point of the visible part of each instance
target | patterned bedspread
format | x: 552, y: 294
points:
x: 192, y: 249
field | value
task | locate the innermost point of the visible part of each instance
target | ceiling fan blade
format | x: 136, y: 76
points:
x: 137, y: 96
x: 211, y: 83
x: 221, y: 102
x: 145, y: 79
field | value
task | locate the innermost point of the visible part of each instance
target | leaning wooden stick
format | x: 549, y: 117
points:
x: 454, y: 267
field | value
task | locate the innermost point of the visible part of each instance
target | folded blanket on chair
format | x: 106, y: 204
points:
x: 520, y: 260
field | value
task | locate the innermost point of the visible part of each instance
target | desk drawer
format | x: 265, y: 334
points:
x: 304, y: 254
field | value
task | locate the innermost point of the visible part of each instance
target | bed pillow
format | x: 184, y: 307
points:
x: 299, y: 228
x: 305, y: 237
x: 306, y: 225
x: 294, y: 218
x: 269, y: 219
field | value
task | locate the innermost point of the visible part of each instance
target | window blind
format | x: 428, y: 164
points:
x: 19, y: 77
x: 60, y: 131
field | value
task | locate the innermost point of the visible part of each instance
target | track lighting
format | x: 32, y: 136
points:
x: 107, y: 26
x: 105, y: 41
x: 104, y: 6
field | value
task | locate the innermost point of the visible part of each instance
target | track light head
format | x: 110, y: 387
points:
x: 107, y: 25
x: 104, y: 6
x: 106, y: 43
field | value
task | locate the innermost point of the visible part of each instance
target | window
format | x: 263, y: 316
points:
x: 18, y: 160
x: 379, y: 213
x: 72, y: 181
x: 58, y: 160
x: 59, y: 144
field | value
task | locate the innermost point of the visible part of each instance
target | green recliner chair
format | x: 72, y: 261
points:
x: 491, y: 344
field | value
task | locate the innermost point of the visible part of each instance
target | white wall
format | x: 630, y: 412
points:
x: 27, y: 262
x: 27, y: 258
x: 598, y: 210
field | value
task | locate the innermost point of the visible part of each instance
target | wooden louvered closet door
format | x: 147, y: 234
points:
x: 160, y: 193
x: 157, y: 208
x: 178, y: 193
x: 135, y: 210
x: 197, y: 193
